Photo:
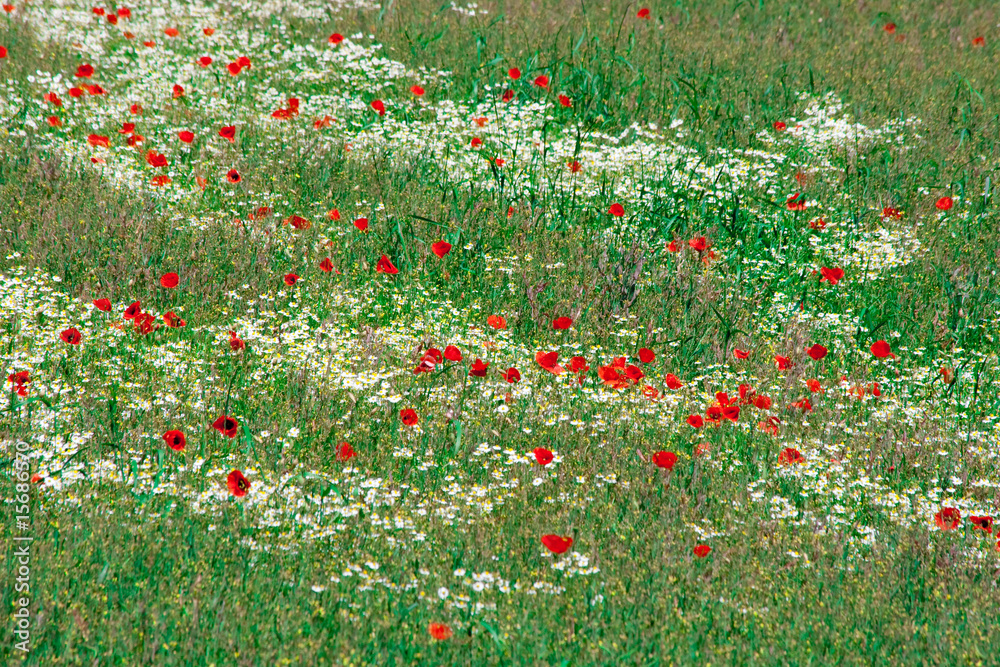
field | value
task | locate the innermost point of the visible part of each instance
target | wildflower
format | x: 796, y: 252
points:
x: 172, y: 320
x: 496, y: 322
x: 783, y: 363
x: 335, y: 38
x: 665, y: 460
x: 983, y: 523
x: 226, y: 425
x: 832, y: 276
x: 237, y: 484
x: 441, y: 248
x: 817, y: 352
x: 512, y: 375
x: 385, y: 266
x: 235, y: 342
x: 881, y: 350
x: 451, y: 353
x: 699, y: 243
x: 84, y: 71
x: 175, y: 440
x: 562, y: 323
x: 228, y: 132
x: 557, y: 544
x: 696, y: 421
x: 790, y: 455
x: 169, y: 280
x: 617, y: 210
x: 417, y: 90
x: 514, y: 73
x: 646, y: 355
x: 948, y: 518
x: 702, y: 550
x: 361, y: 224
x: 178, y: 91
x: 409, y: 416
x: 814, y: 386
x: 291, y: 279
x: 205, y: 61
x: 565, y: 101
x: 643, y: 13
x: 233, y: 176
x: 549, y: 361
x: 542, y: 81
x: 779, y: 126
x: 71, y: 336
x: 185, y: 136
x: 889, y: 28
x: 741, y: 354
x: 542, y: 456
x: 378, y: 106
x: 345, y: 451
x: 673, y: 382
x: 944, y: 203
x: 439, y: 631
x: 132, y: 311
x: 102, y: 304
x: 795, y: 204
x: 478, y: 368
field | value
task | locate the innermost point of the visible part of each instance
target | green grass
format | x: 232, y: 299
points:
x: 138, y: 562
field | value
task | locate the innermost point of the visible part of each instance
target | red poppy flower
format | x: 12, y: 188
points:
x: 103, y: 304
x: 892, y: 213
x: 948, y: 518
x: 409, y: 416
x: 439, y: 631
x: 881, y: 350
x: 702, y: 550
x: 979, y: 41
x: 803, y: 405
x: 237, y: 484
x: 156, y: 159
x: 161, y: 180
x: 790, y: 455
x: 514, y: 73
x: 95, y: 89
x: 379, y: 107
x: 178, y: 91
x: 175, y: 440
x: 779, y: 126
x: 565, y: 101
x: 672, y: 381
x: 634, y: 373
x: 84, y: 71
x: 512, y: 375
x: 361, y: 224
x: 417, y: 90
x: 646, y: 355
x: 696, y: 421
x: 795, y: 204
x: 235, y: 342
x: 549, y: 361
x: 291, y: 279
x: 71, y: 336
x: 98, y: 10
x: 233, y: 176
x: 557, y: 544
x: 441, y: 248
x: 333, y: 214
x: 542, y: 455
x: 226, y: 425
x: 814, y: 386
x: 944, y: 203
x: 75, y: 92
x: 699, y: 243
x: 542, y: 81
x: 665, y: 460
x: 731, y: 412
x: 99, y: 140
x: 889, y: 28
x: 617, y: 210
x: 578, y: 365
x: 478, y: 368
x: 476, y: 142
x: 741, y: 354
x: 983, y: 523
x: 169, y: 280
x: 54, y: 121
x: 832, y: 276
x: 234, y: 69
x: 335, y: 38
x: 562, y: 323
x: 643, y: 13
x: 385, y: 266
x: 185, y: 136
x: 228, y: 132
x: 783, y: 363
x: 496, y: 322
x: 173, y: 321
x: 947, y: 374
x: 326, y: 265
x: 132, y: 311
x: 817, y: 352
x: 345, y: 452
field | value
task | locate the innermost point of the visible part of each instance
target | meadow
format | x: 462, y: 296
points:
x: 500, y: 333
